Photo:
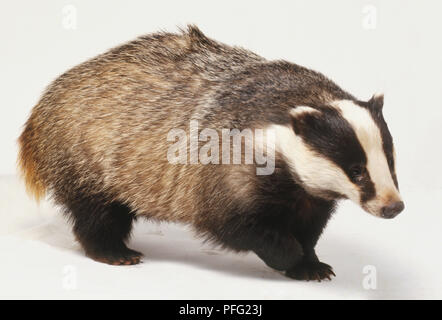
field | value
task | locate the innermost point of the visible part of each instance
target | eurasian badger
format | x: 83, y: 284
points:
x: 97, y: 142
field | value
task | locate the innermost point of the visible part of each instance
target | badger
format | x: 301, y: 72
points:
x: 97, y: 142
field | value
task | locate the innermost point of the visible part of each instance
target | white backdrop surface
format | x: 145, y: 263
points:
x: 399, y: 54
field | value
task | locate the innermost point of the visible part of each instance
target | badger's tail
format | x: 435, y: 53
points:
x: 27, y: 162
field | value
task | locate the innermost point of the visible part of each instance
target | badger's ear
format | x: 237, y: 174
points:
x: 377, y: 102
x: 300, y: 114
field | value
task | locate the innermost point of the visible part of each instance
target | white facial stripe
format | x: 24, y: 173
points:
x: 370, y: 138
x: 315, y: 171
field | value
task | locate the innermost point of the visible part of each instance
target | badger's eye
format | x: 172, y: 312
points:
x: 357, y: 172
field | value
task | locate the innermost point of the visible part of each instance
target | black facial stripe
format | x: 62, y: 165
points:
x: 367, y: 188
x: 330, y: 135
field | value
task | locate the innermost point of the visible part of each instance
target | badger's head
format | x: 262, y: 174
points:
x: 344, y: 150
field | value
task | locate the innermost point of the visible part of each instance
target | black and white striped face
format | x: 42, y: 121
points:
x: 344, y: 150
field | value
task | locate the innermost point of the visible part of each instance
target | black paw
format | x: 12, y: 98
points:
x: 310, y: 270
x: 120, y: 257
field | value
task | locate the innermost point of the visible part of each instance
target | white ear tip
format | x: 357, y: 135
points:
x: 377, y: 101
x: 302, y: 110
x: 378, y: 95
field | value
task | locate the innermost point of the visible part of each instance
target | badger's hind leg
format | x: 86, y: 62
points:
x: 102, y: 228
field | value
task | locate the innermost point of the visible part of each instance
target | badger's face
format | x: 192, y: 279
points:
x: 344, y: 150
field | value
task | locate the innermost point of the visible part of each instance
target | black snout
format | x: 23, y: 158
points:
x: 392, y: 210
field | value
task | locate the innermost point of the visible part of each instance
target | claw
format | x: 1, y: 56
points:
x: 128, y: 257
x: 317, y: 276
x: 311, y: 270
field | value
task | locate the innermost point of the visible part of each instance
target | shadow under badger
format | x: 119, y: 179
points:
x: 97, y: 143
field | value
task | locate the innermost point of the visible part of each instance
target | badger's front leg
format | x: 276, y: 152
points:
x: 279, y: 235
x: 279, y: 251
x: 256, y: 231
x: 310, y: 268
x: 308, y: 223
x: 283, y: 252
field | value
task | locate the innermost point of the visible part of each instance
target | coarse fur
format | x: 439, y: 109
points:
x: 96, y: 142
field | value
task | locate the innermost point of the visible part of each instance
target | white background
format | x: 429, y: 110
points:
x: 401, y: 56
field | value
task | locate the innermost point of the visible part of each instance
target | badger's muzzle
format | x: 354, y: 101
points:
x: 386, y: 206
x: 392, y: 210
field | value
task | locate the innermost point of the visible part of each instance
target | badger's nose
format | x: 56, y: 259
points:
x: 392, y: 210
